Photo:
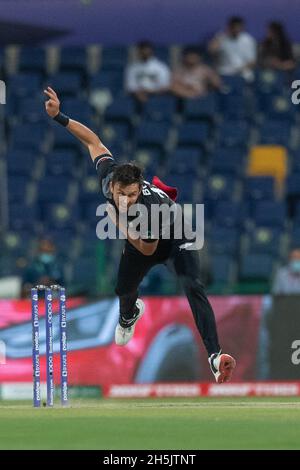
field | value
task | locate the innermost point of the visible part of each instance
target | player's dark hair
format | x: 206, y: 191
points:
x: 145, y: 45
x: 127, y: 173
x: 236, y: 20
x: 191, y: 50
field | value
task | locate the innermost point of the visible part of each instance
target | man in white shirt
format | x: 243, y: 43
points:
x: 287, y: 279
x: 147, y: 75
x: 235, y: 50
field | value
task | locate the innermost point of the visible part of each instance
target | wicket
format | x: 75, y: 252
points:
x: 49, y: 344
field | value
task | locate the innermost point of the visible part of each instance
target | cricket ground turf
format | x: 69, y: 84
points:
x: 170, y: 423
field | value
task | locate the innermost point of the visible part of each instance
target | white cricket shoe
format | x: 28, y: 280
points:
x: 222, y: 366
x: 124, y: 334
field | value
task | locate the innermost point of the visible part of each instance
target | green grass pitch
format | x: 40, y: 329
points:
x: 170, y: 423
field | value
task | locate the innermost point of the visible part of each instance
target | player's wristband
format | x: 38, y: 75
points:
x: 62, y: 119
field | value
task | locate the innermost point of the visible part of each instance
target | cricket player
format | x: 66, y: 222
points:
x: 123, y: 186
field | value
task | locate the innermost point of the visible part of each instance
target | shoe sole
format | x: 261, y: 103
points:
x: 226, y: 367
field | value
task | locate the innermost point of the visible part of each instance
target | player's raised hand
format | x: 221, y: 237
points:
x: 53, y: 103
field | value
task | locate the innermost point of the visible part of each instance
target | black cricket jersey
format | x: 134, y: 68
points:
x: 150, y: 195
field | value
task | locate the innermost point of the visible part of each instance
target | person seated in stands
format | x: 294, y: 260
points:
x: 147, y: 75
x: 193, y: 78
x: 276, y: 49
x: 234, y: 50
x: 44, y: 269
x: 287, y: 278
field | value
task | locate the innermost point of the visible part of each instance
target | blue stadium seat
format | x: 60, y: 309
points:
x: 154, y: 134
x: 229, y: 214
x: 114, y: 57
x: 88, y: 213
x: 63, y: 239
x: 185, y: 160
x: 85, y: 274
x: 90, y: 189
x: 275, y: 132
x: 107, y: 79
x: 60, y: 216
x: 224, y: 240
x: 115, y: 133
x: 33, y: 59
x: 25, y: 84
x: 227, y: 161
x: 265, y: 240
x: 64, y: 139
x: 193, y: 133
x: 73, y: 58
x: 160, y: 108
x: 185, y: 191
x: 20, y: 162
x: 78, y: 109
x: 61, y: 162
x: 278, y: 107
x: 162, y: 53
x: 149, y: 159
x: 222, y: 269
x: 256, y: 267
x: 53, y: 189
x: 269, y: 81
x: 32, y: 109
x: 67, y: 83
x: 201, y: 108
x: 219, y: 187
x: 17, y: 188
x: 22, y: 216
x: 122, y: 109
x: 270, y: 214
x: 233, y: 84
x: 258, y: 188
x: 234, y: 134
x: 29, y: 135
x: 235, y: 106
x: 16, y: 243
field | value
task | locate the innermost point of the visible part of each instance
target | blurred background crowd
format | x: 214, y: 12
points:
x: 214, y: 119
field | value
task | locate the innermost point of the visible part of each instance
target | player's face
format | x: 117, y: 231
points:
x: 125, y: 196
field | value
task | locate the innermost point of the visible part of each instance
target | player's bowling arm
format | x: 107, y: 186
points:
x: 80, y: 131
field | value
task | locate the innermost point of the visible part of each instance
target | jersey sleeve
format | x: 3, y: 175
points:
x: 104, y: 165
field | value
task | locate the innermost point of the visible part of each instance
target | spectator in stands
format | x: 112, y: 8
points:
x: 45, y: 268
x: 287, y: 279
x: 234, y: 50
x: 276, y: 49
x: 193, y: 78
x: 147, y: 75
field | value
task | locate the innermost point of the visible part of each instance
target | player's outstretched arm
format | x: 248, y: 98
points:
x: 83, y: 133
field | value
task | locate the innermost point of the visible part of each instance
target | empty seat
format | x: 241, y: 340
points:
x: 61, y: 162
x: 269, y: 81
x: 22, y: 216
x: 25, y: 84
x: 265, y: 240
x: 154, y: 134
x: 32, y: 58
x: 53, y: 189
x: 293, y: 192
x: 233, y: 84
x: 160, y: 108
x: 219, y: 187
x: 29, y: 135
x: 107, y: 79
x: 17, y: 188
x: 270, y: 214
x: 257, y: 267
x: 222, y: 269
x: 224, y: 240
x: 234, y: 134
x: 73, y: 58
x: 90, y: 189
x: 60, y: 216
x: 275, y: 132
x: 185, y: 160
x: 201, y: 108
x: 229, y: 214
x: 32, y: 109
x: 227, y: 161
x: 67, y: 83
x: 122, y: 109
x: 149, y: 159
x: 20, y: 162
x: 269, y: 160
x: 193, y: 133
x: 114, y: 57
x: 258, y: 188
